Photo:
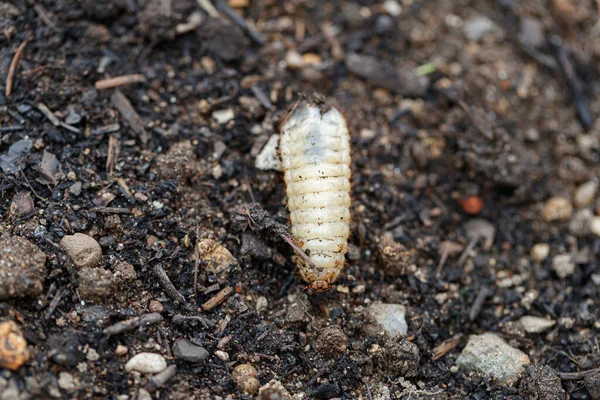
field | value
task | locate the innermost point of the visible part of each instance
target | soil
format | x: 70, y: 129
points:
x: 456, y: 135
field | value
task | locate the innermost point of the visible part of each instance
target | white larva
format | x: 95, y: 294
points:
x: 315, y: 156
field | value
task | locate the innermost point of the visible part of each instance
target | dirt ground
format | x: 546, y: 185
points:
x: 469, y: 119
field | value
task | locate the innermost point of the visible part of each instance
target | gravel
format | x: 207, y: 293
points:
x: 84, y: 250
x: 490, y: 355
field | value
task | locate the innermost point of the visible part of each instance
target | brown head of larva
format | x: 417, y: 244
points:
x: 320, y: 286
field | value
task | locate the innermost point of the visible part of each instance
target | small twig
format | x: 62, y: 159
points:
x: 114, y: 147
x: 218, y: 298
x: 207, y: 6
x: 112, y: 210
x: 13, y: 67
x: 574, y: 376
x: 470, y: 246
x: 574, y: 83
x: 167, y: 285
x: 484, y: 292
x: 241, y: 22
x: 55, y: 302
x: 445, y: 347
x: 48, y: 114
x: 262, y: 97
x: 179, y: 319
x: 193, y: 22
x: 133, y: 323
x: 44, y: 15
x: 12, y: 128
x: 122, y: 103
x: 110, y: 83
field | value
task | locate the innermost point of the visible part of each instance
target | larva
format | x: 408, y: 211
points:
x: 315, y: 156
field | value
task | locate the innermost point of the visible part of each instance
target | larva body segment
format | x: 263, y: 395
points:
x: 315, y: 155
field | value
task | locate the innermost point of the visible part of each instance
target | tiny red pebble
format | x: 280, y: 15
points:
x: 155, y: 306
x: 472, y: 204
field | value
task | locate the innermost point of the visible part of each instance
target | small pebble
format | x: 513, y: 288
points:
x: 244, y: 375
x: 476, y: 28
x: 332, y: 341
x: 273, y: 390
x: 216, y: 257
x: 392, y: 7
x: 389, y: 317
x: 592, y: 384
x: 143, y: 394
x: 84, y: 250
x: 155, y: 306
x: 543, y: 383
x: 66, y: 382
x: 563, y: 265
x: 22, y: 268
x: 188, y: 351
x: 539, y: 252
x: 223, y: 356
x: 491, y: 356
x: 533, y: 324
x: 268, y: 158
x: 581, y: 223
x: 403, y: 356
x: 223, y: 116
x: 13, y: 347
x: 262, y: 304
x: 595, y: 226
x: 96, y: 283
x: 585, y: 193
x: 557, y: 209
x: 121, y: 350
x: 146, y: 363
x: 293, y: 59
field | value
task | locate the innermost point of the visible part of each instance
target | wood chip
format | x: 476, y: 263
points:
x: 117, y: 81
x: 447, y: 345
x: 217, y: 299
x: 114, y: 148
x: 124, y: 106
x: 48, y: 114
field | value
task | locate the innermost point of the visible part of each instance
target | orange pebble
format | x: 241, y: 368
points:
x: 472, y: 204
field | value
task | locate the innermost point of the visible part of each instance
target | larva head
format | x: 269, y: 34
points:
x: 320, y: 286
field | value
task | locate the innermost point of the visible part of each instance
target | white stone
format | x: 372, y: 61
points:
x: 223, y: 116
x: 146, y: 363
x: 66, y: 382
x: 540, y: 251
x: 490, y: 355
x: 268, y: 158
x: 294, y: 60
x: 563, y: 265
x: 584, y: 194
x: 390, y: 317
x: 393, y: 8
x: 533, y: 324
x: 557, y: 209
x: 595, y: 226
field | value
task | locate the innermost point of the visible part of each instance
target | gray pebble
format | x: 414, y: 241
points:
x: 490, y: 355
x: 476, y: 28
x: 188, y: 351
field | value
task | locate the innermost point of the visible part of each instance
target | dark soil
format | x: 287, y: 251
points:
x: 441, y: 126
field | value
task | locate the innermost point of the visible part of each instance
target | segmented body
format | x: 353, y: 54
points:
x: 315, y: 155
